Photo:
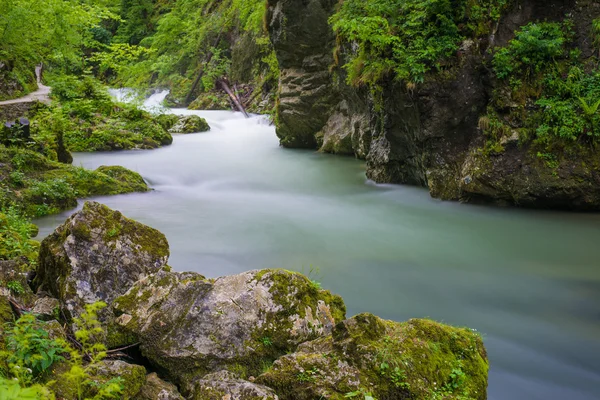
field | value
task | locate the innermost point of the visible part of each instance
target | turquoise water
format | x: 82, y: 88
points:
x: 232, y: 200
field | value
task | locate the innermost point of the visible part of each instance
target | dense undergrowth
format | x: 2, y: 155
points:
x: 37, y: 362
x: 548, y: 93
x: 407, y: 39
x: 91, y: 121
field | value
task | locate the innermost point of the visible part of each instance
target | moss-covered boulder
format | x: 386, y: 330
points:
x: 96, y: 255
x: 125, y: 176
x: 225, y: 385
x: 190, y: 124
x: 40, y: 186
x: 131, y: 377
x: 190, y: 326
x: 417, y: 359
x: 156, y: 389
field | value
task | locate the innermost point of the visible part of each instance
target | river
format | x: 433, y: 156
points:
x: 232, y: 200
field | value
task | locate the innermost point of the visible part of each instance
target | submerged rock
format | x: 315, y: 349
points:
x: 191, y: 326
x: 190, y: 124
x: 417, y: 359
x: 96, y: 255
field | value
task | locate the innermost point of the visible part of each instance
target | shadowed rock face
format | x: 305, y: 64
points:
x: 97, y: 255
x: 191, y: 326
x: 427, y: 135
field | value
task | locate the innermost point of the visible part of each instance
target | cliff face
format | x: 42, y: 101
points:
x: 427, y: 134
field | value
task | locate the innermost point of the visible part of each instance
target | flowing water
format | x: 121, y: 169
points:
x: 232, y: 200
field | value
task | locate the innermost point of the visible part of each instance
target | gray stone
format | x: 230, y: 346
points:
x: 96, y: 255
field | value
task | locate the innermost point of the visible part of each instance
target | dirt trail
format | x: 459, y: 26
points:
x: 42, y: 94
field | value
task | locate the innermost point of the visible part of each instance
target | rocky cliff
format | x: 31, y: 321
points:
x: 434, y: 133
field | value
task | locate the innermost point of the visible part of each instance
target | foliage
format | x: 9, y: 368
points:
x: 15, y: 234
x: 15, y: 287
x: 187, y: 38
x: 533, y: 47
x: 11, y: 390
x: 54, y: 32
x: 558, y: 98
x: 31, y: 353
x: 406, y: 39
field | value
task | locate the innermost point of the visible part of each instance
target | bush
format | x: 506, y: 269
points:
x: 533, y: 47
x: 408, y: 38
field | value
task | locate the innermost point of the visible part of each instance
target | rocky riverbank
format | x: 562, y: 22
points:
x: 435, y: 130
x: 270, y: 334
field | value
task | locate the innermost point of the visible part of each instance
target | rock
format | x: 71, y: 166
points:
x: 190, y: 326
x: 417, y: 359
x: 6, y: 314
x: 225, y: 385
x: 157, y: 389
x: 303, y: 43
x: 46, y: 308
x: 14, y: 279
x: 124, y: 176
x: 96, y: 255
x: 133, y: 376
x: 190, y: 124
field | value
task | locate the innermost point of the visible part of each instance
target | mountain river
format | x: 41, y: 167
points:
x: 232, y: 200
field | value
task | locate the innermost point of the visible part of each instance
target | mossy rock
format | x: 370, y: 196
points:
x: 132, y: 379
x: 418, y: 359
x: 225, y: 385
x: 39, y: 186
x: 126, y: 177
x: 156, y: 389
x: 96, y: 255
x: 189, y: 326
x: 190, y: 124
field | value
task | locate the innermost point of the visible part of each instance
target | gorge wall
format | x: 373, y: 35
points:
x: 429, y: 134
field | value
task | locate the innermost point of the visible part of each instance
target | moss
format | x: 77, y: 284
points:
x: 46, y: 187
x: 415, y: 359
x: 190, y: 124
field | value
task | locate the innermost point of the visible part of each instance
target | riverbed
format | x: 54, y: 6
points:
x: 232, y: 200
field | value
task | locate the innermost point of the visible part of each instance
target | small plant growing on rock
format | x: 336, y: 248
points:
x: 15, y: 287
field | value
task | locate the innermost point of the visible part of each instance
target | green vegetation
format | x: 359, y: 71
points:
x: 47, y: 187
x: 406, y: 39
x: 548, y: 93
x: 190, y: 44
x: 15, y: 234
x: 89, y: 120
x: 39, y: 365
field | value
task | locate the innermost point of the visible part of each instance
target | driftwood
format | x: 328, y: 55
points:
x: 233, y: 97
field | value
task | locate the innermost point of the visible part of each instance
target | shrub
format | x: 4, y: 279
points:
x: 533, y: 47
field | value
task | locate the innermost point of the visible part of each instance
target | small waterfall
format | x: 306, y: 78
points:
x: 152, y: 104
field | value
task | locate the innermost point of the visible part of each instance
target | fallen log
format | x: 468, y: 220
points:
x: 233, y: 97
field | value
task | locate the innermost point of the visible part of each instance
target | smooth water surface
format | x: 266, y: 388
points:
x: 232, y: 200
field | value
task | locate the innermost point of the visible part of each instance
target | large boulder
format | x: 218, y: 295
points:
x: 417, y: 359
x: 190, y: 124
x: 97, y: 255
x: 190, y: 326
